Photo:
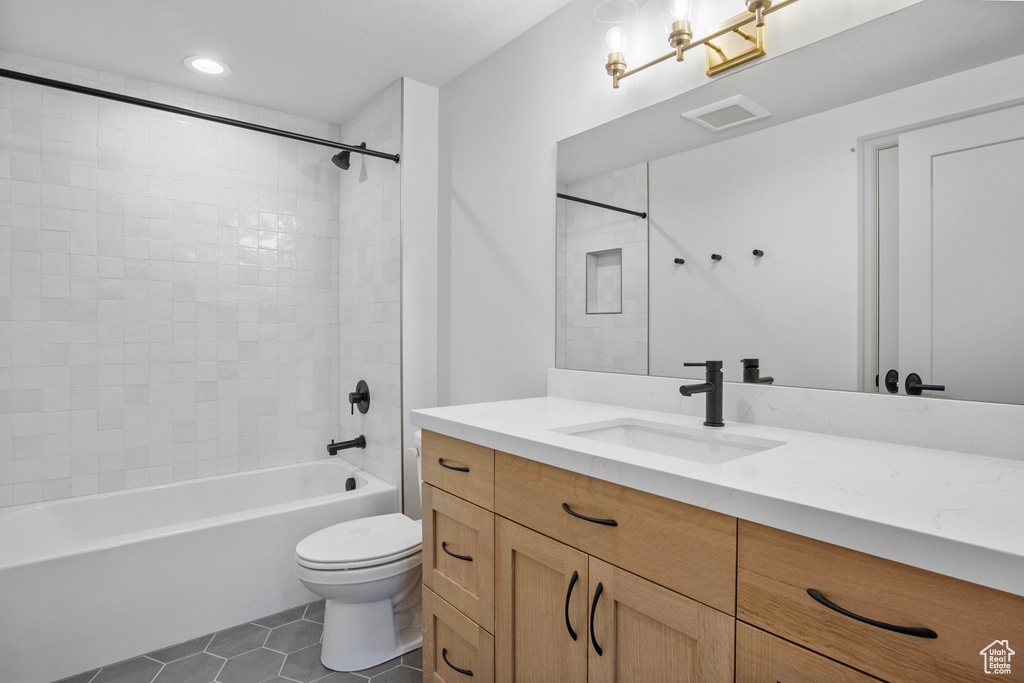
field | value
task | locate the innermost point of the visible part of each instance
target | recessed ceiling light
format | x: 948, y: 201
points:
x: 208, y: 66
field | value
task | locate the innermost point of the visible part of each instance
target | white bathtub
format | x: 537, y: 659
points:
x: 90, y: 581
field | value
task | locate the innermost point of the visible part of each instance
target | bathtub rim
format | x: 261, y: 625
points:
x: 370, y: 485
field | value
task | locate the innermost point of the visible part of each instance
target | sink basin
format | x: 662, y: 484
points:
x: 698, y: 445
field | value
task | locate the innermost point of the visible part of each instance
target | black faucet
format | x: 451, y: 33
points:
x: 334, y: 446
x: 752, y: 372
x: 712, y: 387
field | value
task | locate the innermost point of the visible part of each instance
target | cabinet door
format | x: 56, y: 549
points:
x: 540, y: 608
x: 644, y: 632
x: 763, y: 658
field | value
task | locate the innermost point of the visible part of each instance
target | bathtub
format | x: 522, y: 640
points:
x: 90, y: 581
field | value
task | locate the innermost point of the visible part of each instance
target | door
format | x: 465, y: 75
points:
x: 961, y: 240
x: 644, y: 632
x: 540, y: 608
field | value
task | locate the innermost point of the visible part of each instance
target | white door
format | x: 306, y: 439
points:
x: 961, y: 264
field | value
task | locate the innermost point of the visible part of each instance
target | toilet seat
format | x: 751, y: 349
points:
x: 361, y: 543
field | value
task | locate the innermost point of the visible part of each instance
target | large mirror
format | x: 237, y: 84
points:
x: 865, y: 235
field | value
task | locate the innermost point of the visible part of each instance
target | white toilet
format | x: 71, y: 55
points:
x: 369, y: 571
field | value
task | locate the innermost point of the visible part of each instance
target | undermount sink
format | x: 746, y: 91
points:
x: 698, y: 445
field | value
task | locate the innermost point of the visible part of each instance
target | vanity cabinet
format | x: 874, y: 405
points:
x: 577, y: 580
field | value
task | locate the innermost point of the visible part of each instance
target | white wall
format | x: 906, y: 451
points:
x: 419, y: 266
x: 370, y: 278
x: 793, y: 192
x: 168, y: 304
x: 500, y: 121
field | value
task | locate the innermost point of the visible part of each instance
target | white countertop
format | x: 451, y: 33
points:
x: 951, y: 513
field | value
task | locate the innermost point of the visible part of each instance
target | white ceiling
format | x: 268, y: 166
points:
x: 922, y: 42
x: 315, y: 58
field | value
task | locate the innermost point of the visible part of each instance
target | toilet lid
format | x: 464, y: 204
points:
x: 366, y: 542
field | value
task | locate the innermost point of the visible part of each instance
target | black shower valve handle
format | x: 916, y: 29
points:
x: 360, y: 398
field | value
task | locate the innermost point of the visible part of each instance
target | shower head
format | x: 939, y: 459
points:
x: 342, y: 160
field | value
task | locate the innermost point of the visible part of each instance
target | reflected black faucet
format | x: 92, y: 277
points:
x: 712, y: 386
x: 752, y: 372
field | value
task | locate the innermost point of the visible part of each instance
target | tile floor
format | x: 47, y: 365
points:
x: 281, y: 648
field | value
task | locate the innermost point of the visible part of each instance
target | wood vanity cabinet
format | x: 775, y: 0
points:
x: 534, y: 574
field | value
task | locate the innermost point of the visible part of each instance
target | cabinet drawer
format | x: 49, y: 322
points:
x: 452, y: 642
x: 460, y: 468
x: 776, y: 569
x: 763, y: 658
x: 458, y: 554
x: 687, y: 549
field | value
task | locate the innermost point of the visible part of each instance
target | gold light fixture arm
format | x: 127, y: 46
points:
x: 731, y: 27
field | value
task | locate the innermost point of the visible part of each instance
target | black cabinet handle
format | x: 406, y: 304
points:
x: 595, y: 520
x: 593, y: 611
x: 918, y: 631
x: 440, y: 461
x: 444, y: 656
x: 568, y: 595
x: 444, y: 547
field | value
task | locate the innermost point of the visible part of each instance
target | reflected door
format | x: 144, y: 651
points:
x: 961, y: 245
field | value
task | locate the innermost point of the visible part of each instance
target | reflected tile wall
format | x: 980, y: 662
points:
x: 168, y: 289
x: 615, y: 342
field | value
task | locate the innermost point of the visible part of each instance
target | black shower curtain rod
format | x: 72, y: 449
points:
x: 581, y: 200
x: 171, y: 109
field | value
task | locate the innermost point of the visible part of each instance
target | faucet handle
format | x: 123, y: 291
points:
x: 711, y: 365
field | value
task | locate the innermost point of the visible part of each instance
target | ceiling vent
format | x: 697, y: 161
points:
x: 727, y: 113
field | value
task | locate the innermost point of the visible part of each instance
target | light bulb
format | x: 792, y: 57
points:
x: 208, y: 66
x: 615, y: 39
x: 679, y: 10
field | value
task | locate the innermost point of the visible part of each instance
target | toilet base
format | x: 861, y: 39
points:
x: 360, y: 635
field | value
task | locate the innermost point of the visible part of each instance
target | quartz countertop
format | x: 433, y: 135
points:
x: 947, y: 512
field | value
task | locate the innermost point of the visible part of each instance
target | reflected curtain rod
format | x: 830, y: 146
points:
x: 581, y: 200
x: 171, y: 109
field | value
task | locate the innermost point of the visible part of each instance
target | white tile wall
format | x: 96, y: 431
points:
x: 371, y: 286
x: 608, y: 342
x: 168, y: 289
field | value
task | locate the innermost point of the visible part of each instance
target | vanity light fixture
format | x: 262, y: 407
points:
x: 727, y: 44
x: 207, y: 66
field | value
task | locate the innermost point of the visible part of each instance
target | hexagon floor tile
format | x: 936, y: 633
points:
x: 279, y: 648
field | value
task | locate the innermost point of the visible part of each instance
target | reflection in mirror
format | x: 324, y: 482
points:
x: 602, y: 272
x: 868, y: 224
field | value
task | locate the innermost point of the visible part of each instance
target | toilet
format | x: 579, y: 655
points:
x: 369, y: 571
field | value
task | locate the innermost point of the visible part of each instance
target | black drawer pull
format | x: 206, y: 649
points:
x: 568, y: 595
x: 440, y: 461
x: 444, y: 547
x: 918, y: 631
x: 595, y: 520
x: 593, y: 611
x: 444, y: 656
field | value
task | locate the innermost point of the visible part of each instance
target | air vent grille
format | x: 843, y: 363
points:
x: 727, y: 113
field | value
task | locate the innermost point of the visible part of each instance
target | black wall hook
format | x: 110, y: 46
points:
x: 758, y: 253
x: 716, y: 257
x: 679, y: 261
